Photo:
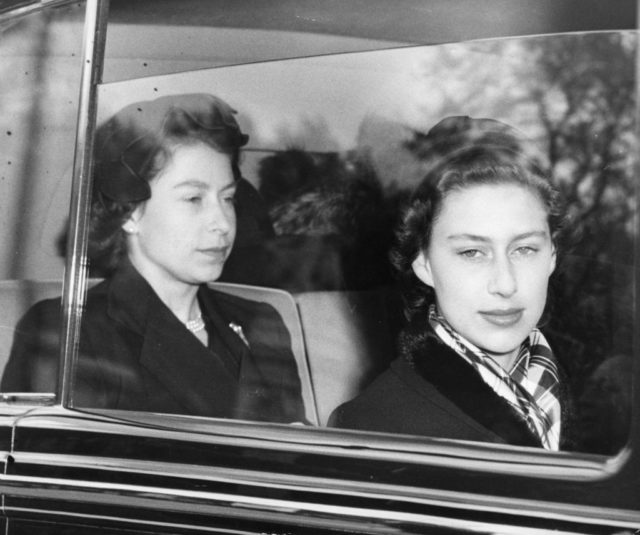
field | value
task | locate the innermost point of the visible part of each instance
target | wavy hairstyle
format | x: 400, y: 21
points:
x: 462, y: 152
x: 134, y: 146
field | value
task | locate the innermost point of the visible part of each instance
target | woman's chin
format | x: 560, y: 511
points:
x: 504, y: 346
x: 206, y: 276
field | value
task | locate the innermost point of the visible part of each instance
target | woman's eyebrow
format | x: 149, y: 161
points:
x: 202, y: 185
x: 478, y: 238
x: 230, y: 185
x: 468, y: 237
x: 192, y: 183
x: 532, y: 234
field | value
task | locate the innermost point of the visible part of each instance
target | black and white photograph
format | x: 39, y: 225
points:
x: 299, y: 267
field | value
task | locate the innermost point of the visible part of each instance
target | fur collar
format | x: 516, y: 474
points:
x: 436, y: 363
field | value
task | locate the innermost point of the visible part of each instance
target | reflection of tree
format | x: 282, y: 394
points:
x: 576, y: 92
x: 591, y: 137
x: 576, y: 95
x: 330, y: 221
x: 585, y: 100
x: 311, y: 131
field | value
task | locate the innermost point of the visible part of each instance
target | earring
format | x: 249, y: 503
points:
x: 129, y: 229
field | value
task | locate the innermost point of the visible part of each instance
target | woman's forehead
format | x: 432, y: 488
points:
x: 496, y: 209
x: 195, y: 162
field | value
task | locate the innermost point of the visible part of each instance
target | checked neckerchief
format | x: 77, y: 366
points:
x: 532, y: 385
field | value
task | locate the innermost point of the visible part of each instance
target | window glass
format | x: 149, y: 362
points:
x: 329, y: 167
x: 40, y: 60
x: 244, y: 239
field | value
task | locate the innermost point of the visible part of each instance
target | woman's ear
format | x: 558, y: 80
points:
x: 422, y: 268
x: 130, y: 226
x: 553, y: 260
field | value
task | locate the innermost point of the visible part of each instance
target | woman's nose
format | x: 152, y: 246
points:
x: 502, y: 279
x: 221, y: 219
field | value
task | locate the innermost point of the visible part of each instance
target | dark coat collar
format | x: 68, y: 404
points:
x: 437, y: 364
x: 169, y: 351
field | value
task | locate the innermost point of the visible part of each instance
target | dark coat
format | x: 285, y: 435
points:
x: 136, y: 355
x: 429, y: 390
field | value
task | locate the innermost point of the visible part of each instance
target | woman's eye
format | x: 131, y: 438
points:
x: 194, y: 199
x: 526, y: 250
x: 470, y: 253
x: 229, y: 199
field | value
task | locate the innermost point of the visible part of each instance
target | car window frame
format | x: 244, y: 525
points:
x: 76, y: 273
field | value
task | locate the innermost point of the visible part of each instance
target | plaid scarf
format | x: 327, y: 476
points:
x: 532, y: 385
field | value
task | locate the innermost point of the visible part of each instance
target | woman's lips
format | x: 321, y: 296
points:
x: 216, y: 253
x: 503, y: 317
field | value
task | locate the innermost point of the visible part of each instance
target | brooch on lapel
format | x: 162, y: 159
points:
x: 238, y: 330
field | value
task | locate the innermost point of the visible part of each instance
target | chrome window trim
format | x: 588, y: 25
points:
x: 184, y: 500
x: 75, y: 276
x: 490, y: 458
x: 31, y: 6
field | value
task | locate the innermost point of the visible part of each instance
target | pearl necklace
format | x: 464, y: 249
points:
x: 195, y: 325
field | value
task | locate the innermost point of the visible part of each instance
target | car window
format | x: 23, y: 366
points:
x: 334, y: 163
x: 305, y: 305
x: 40, y: 55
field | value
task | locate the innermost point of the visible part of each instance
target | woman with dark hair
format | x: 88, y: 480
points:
x: 154, y: 336
x: 475, y: 250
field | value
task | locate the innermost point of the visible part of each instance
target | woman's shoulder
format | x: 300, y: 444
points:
x: 376, y: 407
x: 49, y: 311
x: 234, y: 305
x: 258, y: 320
x: 406, y: 399
x: 388, y: 401
x: 42, y: 313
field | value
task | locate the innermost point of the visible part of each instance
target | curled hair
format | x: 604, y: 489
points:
x: 465, y: 153
x: 134, y: 146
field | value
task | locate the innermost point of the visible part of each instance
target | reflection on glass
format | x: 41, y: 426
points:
x: 334, y: 194
x: 40, y: 65
x: 329, y: 167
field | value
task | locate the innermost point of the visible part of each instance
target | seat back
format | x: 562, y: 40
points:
x: 350, y: 338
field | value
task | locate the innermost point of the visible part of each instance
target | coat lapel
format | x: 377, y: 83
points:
x: 225, y: 341
x: 252, y: 397
x: 457, y: 381
x: 170, y: 354
x: 192, y: 373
